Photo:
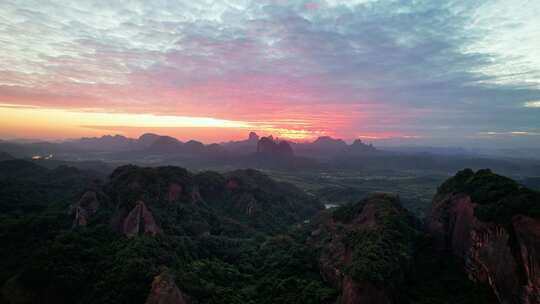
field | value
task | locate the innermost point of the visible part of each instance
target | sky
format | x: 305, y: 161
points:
x: 427, y: 72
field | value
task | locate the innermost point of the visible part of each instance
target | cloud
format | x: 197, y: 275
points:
x: 422, y: 68
x: 532, y: 104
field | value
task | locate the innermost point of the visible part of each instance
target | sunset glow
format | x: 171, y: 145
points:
x: 67, y: 123
x: 294, y: 69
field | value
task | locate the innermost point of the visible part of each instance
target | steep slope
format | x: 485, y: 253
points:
x: 217, y: 234
x: 211, y: 203
x: 366, y: 249
x: 165, y: 291
x: 491, y: 223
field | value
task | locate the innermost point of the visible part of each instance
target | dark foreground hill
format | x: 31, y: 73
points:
x: 167, y: 235
x: 214, y: 238
x: 492, y: 224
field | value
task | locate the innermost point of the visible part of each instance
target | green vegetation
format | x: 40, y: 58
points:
x: 440, y: 279
x: 216, y: 250
x: 383, y: 253
x: 225, y: 238
x: 499, y: 198
x: 339, y: 187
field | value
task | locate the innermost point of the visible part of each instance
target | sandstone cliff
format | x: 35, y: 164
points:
x: 366, y: 249
x: 495, y: 236
x: 85, y: 208
x: 140, y: 221
x: 165, y: 291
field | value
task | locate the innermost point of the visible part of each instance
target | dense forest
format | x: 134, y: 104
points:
x: 235, y: 237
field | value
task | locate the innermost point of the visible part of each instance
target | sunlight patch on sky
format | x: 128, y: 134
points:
x: 55, y: 116
x: 533, y: 104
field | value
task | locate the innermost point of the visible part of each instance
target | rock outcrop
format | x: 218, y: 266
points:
x: 140, y: 221
x: 174, y: 193
x: 85, y: 208
x: 359, y: 148
x: 269, y: 146
x: 359, y: 244
x: 196, y: 196
x: 165, y: 291
x: 500, y: 251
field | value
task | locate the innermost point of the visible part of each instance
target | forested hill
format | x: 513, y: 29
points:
x: 168, y: 235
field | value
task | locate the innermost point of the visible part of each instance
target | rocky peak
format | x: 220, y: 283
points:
x: 253, y: 137
x: 165, y: 291
x: 85, y: 208
x: 174, y: 193
x: 366, y: 248
x: 359, y: 147
x: 486, y: 220
x: 140, y: 221
x: 269, y: 146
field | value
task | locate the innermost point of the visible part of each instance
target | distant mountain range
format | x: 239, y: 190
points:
x: 324, y: 153
x: 150, y: 143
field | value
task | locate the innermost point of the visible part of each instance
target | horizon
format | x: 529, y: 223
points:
x: 377, y: 143
x: 453, y: 74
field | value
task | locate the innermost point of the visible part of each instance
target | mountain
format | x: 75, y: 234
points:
x: 366, y: 249
x: 274, y: 148
x: 358, y: 148
x: 164, y: 145
x: 223, y: 229
x: 246, y: 198
x: 160, y: 234
x: 322, y: 147
x: 327, y: 147
x: 325, y: 153
x: 327, y: 143
x: 115, y: 143
x: 492, y: 224
x: 246, y: 146
x: 147, y: 139
x: 106, y: 143
x: 26, y: 150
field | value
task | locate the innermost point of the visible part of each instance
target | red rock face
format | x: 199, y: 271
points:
x: 365, y: 292
x: 196, y: 194
x: 506, y: 258
x: 85, y: 208
x: 165, y: 291
x: 174, y: 193
x: 140, y: 221
x: 247, y: 203
x: 335, y: 256
x: 527, y: 231
x: 232, y: 184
